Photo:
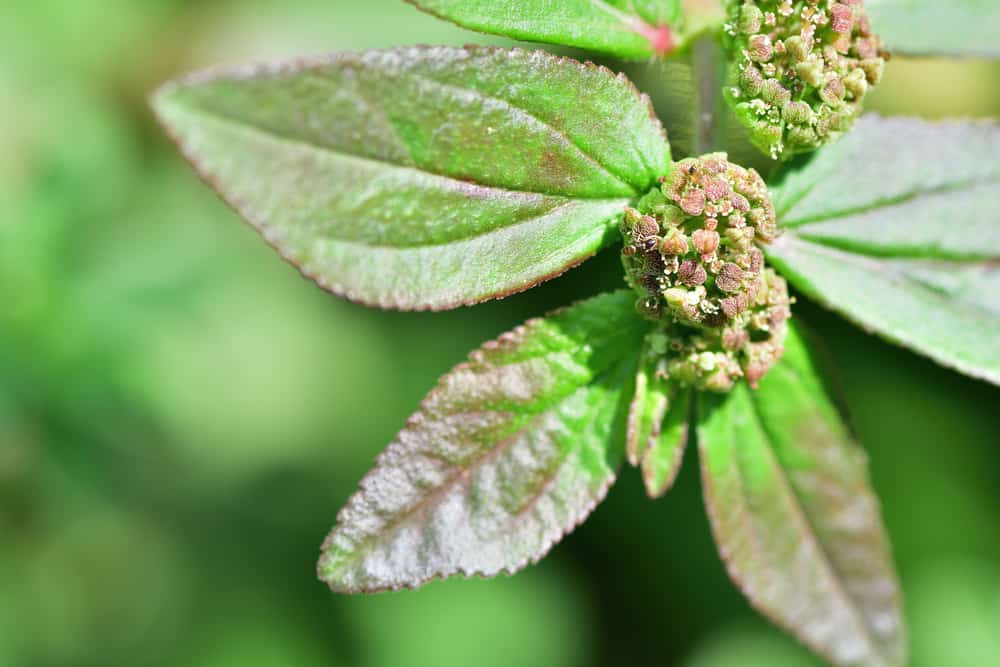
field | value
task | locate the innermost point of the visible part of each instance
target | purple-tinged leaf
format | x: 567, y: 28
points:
x: 662, y: 460
x: 511, y: 451
x: 794, y: 516
x: 897, y: 227
x: 650, y: 400
x: 423, y: 178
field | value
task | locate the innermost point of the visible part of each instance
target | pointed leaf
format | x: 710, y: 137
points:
x: 647, y: 409
x: 662, y: 460
x: 422, y: 177
x: 623, y: 28
x: 510, y: 452
x: 794, y: 516
x: 935, y: 28
x: 897, y: 227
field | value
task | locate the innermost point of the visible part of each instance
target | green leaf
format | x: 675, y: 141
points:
x: 648, y: 407
x: 896, y: 226
x: 624, y: 28
x: 934, y: 28
x: 421, y: 177
x: 662, y: 460
x: 795, y: 519
x: 510, y: 452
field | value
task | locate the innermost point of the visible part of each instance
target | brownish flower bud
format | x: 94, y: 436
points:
x: 705, y: 241
x: 693, y: 202
x: 760, y: 49
x: 675, y: 243
x: 691, y: 273
x: 730, y: 278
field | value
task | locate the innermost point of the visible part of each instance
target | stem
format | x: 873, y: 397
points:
x: 709, y: 65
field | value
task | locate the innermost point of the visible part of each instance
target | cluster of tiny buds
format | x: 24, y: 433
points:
x: 801, y: 70
x: 691, y: 254
x: 715, y: 360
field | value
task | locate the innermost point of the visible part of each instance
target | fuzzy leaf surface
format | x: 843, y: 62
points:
x: 933, y: 28
x: 647, y: 409
x: 506, y: 455
x: 662, y: 460
x: 623, y: 28
x: 897, y: 227
x: 423, y: 178
x: 794, y: 516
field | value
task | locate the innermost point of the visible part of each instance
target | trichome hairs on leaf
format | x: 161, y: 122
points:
x: 691, y: 252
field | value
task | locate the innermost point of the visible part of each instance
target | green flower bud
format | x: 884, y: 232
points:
x: 812, y: 52
x: 715, y: 359
x: 856, y: 83
x: 833, y: 92
x: 751, y: 81
x: 801, y: 136
x: 797, y: 112
x: 811, y: 72
x: 798, y: 48
x: 873, y: 68
x: 750, y: 19
x: 774, y: 93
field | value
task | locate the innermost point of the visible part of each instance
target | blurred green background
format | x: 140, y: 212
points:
x: 181, y: 415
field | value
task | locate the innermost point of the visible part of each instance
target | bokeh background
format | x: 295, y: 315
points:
x: 181, y: 415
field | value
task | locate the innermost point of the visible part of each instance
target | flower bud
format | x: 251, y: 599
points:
x: 833, y: 92
x: 750, y: 19
x: 800, y: 52
x: 774, y: 93
x: 751, y: 81
x: 747, y: 343
x: 856, y: 83
x: 706, y: 241
x: 798, y: 113
x: 798, y: 48
x: 760, y: 49
x: 703, y: 269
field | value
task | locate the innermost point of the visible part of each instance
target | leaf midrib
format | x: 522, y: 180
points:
x: 802, y: 518
x: 880, y: 204
x: 895, y: 274
x: 363, y: 548
x: 534, y: 117
x: 230, y: 119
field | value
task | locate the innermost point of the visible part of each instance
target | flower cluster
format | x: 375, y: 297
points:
x: 801, y: 70
x: 691, y: 253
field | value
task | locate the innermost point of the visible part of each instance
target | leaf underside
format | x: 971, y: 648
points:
x: 657, y: 426
x: 897, y: 227
x: 662, y: 460
x: 623, y: 28
x: 506, y: 455
x: 934, y: 28
x: 423, y: 177
x: 795, y: 519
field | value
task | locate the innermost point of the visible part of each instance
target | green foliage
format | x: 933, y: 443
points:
x: 906, y: 244
x: 511, y: 451
x: 929, y: 28
x: 623, y: 28
x: 423, y: 215
x: 178, y: 411
x: 796, y: 521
